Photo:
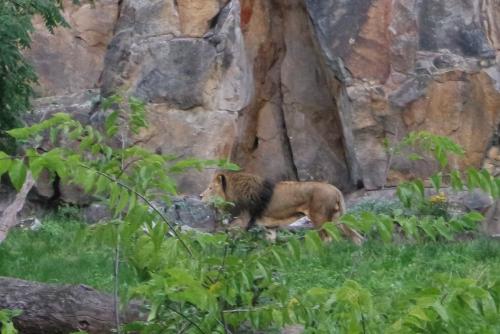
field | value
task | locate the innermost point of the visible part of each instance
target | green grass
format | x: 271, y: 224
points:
x: 394, y: 272
x: 54, y: 254
x: 390, y: 272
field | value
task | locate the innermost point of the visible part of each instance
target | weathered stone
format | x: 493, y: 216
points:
x: 175, y: 72
x: 148, y: 18
x: 44, y: 186
x: 71, y: 59
x: 193, y: 86
x: 79, y: 105
x: 429, y: 65
x: 491, y: 225
x: 95, y: 213
x: 197, y: 16
x: 311, y: 118
x: 299, y: 89
x: 191, y: 211
x: 262, y: 146
x: 477, y: 200
x: 72, y: 194
x: 195, y: 133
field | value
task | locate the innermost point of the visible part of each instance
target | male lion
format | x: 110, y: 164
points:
x: 275, y: 205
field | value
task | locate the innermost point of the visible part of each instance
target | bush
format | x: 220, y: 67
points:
x: 202, y: 283
x: 16, y: 74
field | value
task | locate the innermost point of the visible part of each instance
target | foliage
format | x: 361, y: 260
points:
x: 16, y: 74
x: 220, y: 283
x: 412, y: 194
x: 416, y: 144
x: 397, y: 276
x: 394, y: 275
x: 6, y: 325
x: 377, y: 206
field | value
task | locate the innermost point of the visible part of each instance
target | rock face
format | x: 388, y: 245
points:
x: 190, y: 211
x: 410, y: 65
x: 193, y: 73
x: 72, y: 59
x: 297, y: 89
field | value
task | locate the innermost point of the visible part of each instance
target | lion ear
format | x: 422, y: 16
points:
x: 222, y: 179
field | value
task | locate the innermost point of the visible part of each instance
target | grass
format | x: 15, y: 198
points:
x: 390, y: 272
x: 386, y: 266
x: 53, y: 254
x: 393, y: 272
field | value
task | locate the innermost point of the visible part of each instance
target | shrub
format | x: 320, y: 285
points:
x: 16, y: 74
x: 202, y: 283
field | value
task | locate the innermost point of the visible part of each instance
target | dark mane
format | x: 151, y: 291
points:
x: 248, y: 192
x: 256, y: 206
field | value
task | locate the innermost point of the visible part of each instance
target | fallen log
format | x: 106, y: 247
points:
x: 61, y: 309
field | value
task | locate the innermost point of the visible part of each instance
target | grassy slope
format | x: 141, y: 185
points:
x: 53, y: 254
x: 388, y: 271
x: 393, y: 273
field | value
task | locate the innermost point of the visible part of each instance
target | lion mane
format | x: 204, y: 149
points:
x: 274, y: 205
x: 248, y: 193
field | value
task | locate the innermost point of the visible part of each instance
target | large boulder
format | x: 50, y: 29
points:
x: 72, y: 59
x: 187, y: 61
x: 411, y: 65
x: 191, y: 212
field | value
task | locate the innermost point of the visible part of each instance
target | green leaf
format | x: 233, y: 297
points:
x: 263, y: 271
x: 37, y: 163
x: 385, y: 227
x: 443, y: 229
x: 419, y: 187
x: 89, y: 182
x: 17, y: 173
x: 409, y: 226
x: 53, y: 134
x: 489, y: 307
x: 333, y: 231
x: 441, y: 311
x: 111, y: 100
x: 436, y: 181
x: 473, y: 179
x: 428, y: 228
x: 278, y: 258
x: 414, y: 157
x: 456, y: 180
x: 5, y: 162
x: 441, y: 157
x: 313, y: 241
x: 124, y: 199
x: 110, y: 124
x: 294, y: 247
x: 418, y: 313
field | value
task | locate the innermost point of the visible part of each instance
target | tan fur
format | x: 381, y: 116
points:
x: 321, y: 202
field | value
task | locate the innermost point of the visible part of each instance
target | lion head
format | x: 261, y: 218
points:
x: 247, y: 192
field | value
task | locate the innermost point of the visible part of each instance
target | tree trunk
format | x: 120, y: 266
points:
x: 8, y: 218
x: 61, y: 309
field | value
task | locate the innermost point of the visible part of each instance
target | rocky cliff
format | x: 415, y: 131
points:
x: 304, y: 89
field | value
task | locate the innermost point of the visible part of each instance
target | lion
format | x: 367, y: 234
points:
x: 259, y: 201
